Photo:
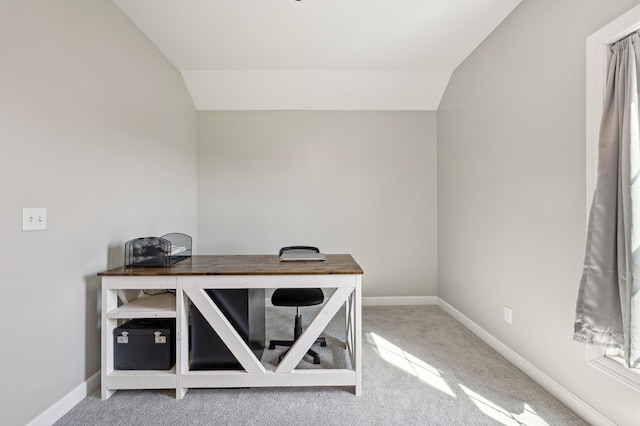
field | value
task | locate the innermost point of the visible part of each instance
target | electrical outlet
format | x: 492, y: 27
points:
x: 507, y: 315
x: 34, y: 219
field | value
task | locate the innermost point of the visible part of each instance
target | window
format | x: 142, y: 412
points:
x: 598, y: 54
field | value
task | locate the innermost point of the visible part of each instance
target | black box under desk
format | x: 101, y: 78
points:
x: 145, y: 344
x: 245, y: 310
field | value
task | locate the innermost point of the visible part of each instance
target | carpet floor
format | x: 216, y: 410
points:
x: 420, y: 367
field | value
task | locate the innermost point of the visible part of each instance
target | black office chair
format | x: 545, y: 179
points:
x: 298, y: 297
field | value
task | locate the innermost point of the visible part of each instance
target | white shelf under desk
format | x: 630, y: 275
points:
x: 148, y: 306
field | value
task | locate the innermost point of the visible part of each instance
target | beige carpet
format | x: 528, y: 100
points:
x: 420, y: 367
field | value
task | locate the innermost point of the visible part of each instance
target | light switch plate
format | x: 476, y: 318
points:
x: 508, y: 315
x: 34, y: 218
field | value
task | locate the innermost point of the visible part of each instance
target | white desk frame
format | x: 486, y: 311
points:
x: 192, y: 288
x: 347, y: 292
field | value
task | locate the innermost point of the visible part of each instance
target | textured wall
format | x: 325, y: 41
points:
x: 347, y: 181
x: 96, y: 126
x: 511, y: 185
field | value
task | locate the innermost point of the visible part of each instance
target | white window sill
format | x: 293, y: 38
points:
x: 612, y: 366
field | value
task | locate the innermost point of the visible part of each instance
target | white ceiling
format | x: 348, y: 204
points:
x: 316, y: 54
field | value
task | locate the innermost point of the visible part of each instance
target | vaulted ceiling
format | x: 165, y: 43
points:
x: 316, y: 54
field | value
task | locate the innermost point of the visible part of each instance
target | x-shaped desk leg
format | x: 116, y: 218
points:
x: 311, y: 333
x: 241, y: 350
x: 225, y: 330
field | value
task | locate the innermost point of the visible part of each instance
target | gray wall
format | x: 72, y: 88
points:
x: 347, y: 181
x: 511, y: 185
x: 96, y: 126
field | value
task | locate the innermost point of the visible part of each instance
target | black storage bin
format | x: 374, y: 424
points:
x: 145, y: 344
x: 245, y: 310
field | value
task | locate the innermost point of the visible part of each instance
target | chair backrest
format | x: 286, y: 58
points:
x: 299, y: 249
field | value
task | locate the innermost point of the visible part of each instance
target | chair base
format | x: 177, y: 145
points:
x: 316, y: 358
x: 297, y: 332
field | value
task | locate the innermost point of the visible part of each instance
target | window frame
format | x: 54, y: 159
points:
x: 598, y: 55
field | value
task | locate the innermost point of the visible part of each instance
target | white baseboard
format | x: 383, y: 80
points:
x: 568, y: 398
x: 399, y: 300
x: 67, y: 402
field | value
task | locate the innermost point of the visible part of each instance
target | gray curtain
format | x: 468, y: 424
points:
x: 608, y: 306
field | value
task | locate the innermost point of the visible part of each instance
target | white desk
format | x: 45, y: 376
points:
x: 189, y: 278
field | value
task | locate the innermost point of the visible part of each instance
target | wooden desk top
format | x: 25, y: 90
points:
x: 246, y: 265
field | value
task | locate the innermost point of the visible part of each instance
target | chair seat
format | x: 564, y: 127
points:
x: 297, y: 297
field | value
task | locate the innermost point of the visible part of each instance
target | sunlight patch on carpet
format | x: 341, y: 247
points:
x: 527, y: 417
x: 405, y: 361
